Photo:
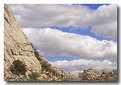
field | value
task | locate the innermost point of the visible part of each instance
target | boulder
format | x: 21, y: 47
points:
x: 90, y: 74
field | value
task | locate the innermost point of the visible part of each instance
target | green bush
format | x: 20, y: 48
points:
x: 18, y: 68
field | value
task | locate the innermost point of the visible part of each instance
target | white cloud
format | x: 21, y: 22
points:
x: 81, y: 64
x: 103, y: 20
x: 60, y: 15
x: 106, y: 30
x: 55, y: 42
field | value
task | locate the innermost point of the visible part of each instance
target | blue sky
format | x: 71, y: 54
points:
x: 94, y: 6
x: 72, y: 37
x: 83, y: 31
x: 56, y: 58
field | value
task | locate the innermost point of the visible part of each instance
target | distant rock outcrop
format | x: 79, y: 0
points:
x: 90, y: 74
x: 109, y: 75
x: 21, y: 61
x: 94, y: 75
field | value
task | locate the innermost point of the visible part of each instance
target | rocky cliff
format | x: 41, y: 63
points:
x: 21, y: 62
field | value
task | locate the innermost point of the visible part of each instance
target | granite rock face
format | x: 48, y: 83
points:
x: 90, y: 74
x: 21, y: 62
x: 17, y: 47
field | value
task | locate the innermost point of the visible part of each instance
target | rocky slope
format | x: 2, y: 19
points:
x: 21, y: 62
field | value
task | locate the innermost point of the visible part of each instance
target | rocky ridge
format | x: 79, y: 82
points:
x: 21, y: 62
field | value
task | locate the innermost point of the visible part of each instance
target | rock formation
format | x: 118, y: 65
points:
x: 90, y: 74
x: 109, y: 75
x: 20, y: 60
x: 94, y: 75
x: 23, y: 63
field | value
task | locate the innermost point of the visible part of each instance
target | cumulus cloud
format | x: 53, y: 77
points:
x: 106, y: 21
x: 103, y: 20
x: 106, y: 30
x: 81, y: 64
x: 59, y: 15
x: 56, y: 42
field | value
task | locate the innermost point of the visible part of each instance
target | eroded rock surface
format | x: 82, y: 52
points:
x: 21, y: 61
x: 17, y: 47
x: 90, y: 74
x: 95, y: 75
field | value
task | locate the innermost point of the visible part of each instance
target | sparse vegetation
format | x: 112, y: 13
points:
x: 36, y: 53
x: 18, y: 68
x: 111, y: 76
x: 34, y: 76
x: 45, y: 65
x: 66, y: 79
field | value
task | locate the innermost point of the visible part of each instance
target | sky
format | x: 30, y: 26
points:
x: 73, y: 37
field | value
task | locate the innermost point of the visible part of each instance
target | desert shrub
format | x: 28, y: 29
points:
x: 34, y: 75
x: 109, y: 76
x: 113, y: 75
x: 67, y: 79
x: 43, y: 62
x: 46, y: 66
x: 18, y: 68
x: 36, y: 53
x: 112, y: 78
